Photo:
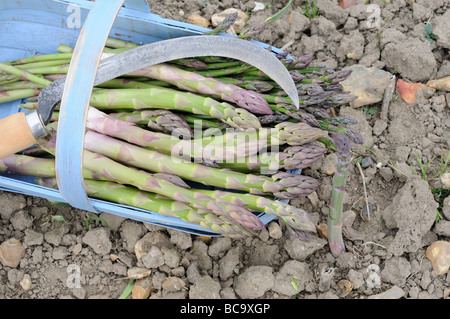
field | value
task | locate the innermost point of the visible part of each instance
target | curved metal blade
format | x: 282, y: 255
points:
x: 178, y: 48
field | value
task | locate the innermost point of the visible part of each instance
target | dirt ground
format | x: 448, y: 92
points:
x: 385, y: 252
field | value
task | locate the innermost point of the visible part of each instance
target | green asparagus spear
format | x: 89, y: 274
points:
x: 194, y: 82
x: 286, y: 186
x: 132, y: 196
x: 334, y: 223
x: 170, y: 99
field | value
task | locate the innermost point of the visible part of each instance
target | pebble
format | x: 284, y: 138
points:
x: 55, y: 235
x: 439, y: 255
x: 113, y: 221
x: 292, y: 278
x: 366, y: 162
x: 396, y: 270
x: 142, y: 289
x: 200, y: 249
x: 21, y: 220
x: 393, y: 293
x: 33, y: 238
x: 154, y: 258
x: 193, y: 273
x: 10, y: 204
x: 368, y: 84
x: 379, y: 127
x: 254, y: 282
x: 59, y: 253
x: 130, y: 232
x: 25, y: 283
x: 179, y: 271
x: 198, y: 20
x: 11, y: 253
x: 181, y: 239
x: 205, y: 288
x: 356, y: 278
x: 274, y: 230
x: 386, y: 173
x: 98, y: 240
x: 239, y: 23
x: 218, y: 246
x: 173, y: 284
x: 228, y: 263
x: 15, y: 276
x: 300, y: 250
x: 171, y: 256
x: 138, y: 273
x: 446, y: 207
x: 345, y: 286
x: 442, y: 228
x: 259, y: 6
x: 158, y: 239
x: 329, y: 164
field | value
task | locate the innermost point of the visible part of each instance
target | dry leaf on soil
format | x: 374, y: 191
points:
x: 344, y: 4
x: 408, y: 91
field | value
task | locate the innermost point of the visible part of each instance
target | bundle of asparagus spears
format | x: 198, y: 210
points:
x: 156, y: 134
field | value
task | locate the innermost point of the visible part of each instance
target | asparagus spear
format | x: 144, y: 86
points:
x: 258, y: 86
x: 12, y: 95
x: 286, y: 186
x: 20, y: 85
x: 297, y: 218
x: 291, y: 158
x: 194, y: 82
x: 156, y: 120
x: 334, y: 222
x: 232, y: 145
x: 45, y: 168
x: 170, y: 99
x: 147, y: 182
x: 23, y: 74
x: 40, y: 58
x: 35, y: 166
x: 132, y: 196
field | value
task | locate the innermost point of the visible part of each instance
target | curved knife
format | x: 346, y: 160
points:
x: 24, y: 130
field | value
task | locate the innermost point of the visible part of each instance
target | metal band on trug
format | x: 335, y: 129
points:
x: 35, y: 124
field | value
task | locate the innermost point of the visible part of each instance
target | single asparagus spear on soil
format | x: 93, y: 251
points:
x: 334, y: 223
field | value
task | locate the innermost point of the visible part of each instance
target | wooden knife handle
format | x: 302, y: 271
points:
x: 15, y: 135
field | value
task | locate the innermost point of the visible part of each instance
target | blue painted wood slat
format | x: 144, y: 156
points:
x: 75, y: 102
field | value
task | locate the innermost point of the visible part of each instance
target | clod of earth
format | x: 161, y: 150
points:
x: 368, y: 84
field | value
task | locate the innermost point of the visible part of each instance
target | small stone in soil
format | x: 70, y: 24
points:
x: 366, y: 162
